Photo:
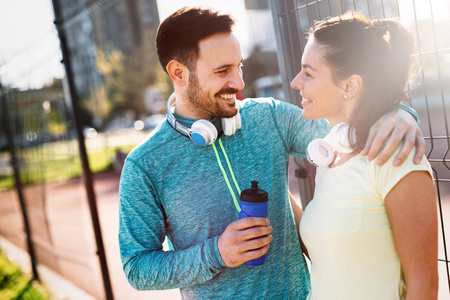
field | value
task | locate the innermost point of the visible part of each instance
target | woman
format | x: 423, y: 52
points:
x: 370, y: 231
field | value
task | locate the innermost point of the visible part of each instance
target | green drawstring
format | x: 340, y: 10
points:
x: 229, y: 166
x: 236, y: 203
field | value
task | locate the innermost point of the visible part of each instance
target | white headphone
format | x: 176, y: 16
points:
x: 320, y: 152
x: 202, y: 132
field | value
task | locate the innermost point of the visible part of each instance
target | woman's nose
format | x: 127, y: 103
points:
x: 297, y: 83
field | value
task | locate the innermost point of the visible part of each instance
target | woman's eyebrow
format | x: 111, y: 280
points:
x: 309, y: 67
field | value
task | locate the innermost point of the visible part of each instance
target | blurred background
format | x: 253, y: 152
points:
x: 81, y: 85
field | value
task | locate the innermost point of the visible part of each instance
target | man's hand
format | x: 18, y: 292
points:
x: 394, y: 127
x: 236, y: 244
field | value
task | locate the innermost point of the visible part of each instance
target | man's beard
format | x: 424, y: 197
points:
x: 201, y: 101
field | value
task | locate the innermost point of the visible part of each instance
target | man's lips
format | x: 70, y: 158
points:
x: 227, y: 96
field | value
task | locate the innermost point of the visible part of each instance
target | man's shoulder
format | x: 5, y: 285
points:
x: 262, y: 103
x: 155, y: 143
x: 263, y: 106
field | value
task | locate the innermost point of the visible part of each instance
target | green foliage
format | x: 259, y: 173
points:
x: 49, y: 166
x: 15, y: 285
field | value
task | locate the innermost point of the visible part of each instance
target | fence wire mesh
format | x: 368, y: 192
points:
x: 117, y: 81
x: 429, y: 22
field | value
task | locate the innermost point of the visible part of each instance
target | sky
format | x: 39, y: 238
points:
x: 29, y: 47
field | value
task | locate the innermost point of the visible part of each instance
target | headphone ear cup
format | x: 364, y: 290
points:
x: 227, y: 126
x: 238, y: 120
x: 203, y: 132
x: 230, y: 125
x: 320, y: 153
x: 339, y: 139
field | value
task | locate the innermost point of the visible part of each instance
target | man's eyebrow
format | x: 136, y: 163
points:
x: 309, y: 67
x: 226, y: 66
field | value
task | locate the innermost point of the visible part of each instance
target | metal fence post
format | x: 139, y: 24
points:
x: 18, y: 181
x: 88, y: 179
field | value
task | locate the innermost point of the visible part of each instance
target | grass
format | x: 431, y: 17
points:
x: 15, y: 285
x: 59, y: 161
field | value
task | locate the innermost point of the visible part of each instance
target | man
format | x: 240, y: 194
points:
x: 171, y: 186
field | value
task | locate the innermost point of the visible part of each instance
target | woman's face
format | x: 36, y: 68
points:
x: 322, y: 97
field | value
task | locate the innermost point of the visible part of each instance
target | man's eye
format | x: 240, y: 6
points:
x: 222, y: 71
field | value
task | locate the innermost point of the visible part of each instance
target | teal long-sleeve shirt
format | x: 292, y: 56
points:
x: 171, y: 187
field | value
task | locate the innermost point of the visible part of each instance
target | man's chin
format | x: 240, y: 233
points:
x: 231, y: 112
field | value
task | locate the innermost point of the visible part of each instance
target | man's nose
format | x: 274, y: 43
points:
x: 237, y: 82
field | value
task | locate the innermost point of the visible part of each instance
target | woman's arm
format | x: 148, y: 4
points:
x: 411, y: 208
x: 298, y: 213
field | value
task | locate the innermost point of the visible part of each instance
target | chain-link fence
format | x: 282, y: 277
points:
x: 42, y: 197
x: 47, y: 213
x: 50, y: 114
x: 429, y: 22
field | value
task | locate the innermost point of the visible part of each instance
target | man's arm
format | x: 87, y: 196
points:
x: 394, y: 127
x: 390, y: 130
x: 141, y: 234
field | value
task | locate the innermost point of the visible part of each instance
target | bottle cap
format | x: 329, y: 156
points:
x: 254, y: 194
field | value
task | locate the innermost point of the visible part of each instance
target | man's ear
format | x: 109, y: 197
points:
x: 353, y: 85
x: 178, y: 72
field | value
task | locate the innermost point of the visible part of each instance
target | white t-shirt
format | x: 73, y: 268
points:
x: 347, y: 231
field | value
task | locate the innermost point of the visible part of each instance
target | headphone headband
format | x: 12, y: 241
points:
x: 171, y: 118
x: 202, y: 132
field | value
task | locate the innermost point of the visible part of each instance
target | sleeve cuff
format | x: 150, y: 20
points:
x: 216, y: 258
x: 408, y: 109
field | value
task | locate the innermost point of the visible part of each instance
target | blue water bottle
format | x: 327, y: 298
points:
x: 254, y: 203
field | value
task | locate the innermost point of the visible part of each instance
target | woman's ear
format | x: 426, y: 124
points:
x: 178, y: 73
x: 353, y: 85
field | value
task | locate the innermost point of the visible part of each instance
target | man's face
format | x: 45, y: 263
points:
x: 218, y: 77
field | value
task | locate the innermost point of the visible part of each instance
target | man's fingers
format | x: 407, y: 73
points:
x: 399, y: 126
x: 248, y: 222
x: 255, y: 232
x: 249, y: 255
x: 369, y: 141
x: 420, y: 147
x: 376, y: 140
x: 408, y: 144
x: 250, y: 245
x: 393, y: 142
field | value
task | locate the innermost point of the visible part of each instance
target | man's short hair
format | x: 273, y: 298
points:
x: 179, y: 34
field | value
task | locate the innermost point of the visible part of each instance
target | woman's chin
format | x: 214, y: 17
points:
x: 310, y: 116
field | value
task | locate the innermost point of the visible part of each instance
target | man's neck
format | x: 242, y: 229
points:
x: 182, y: 108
